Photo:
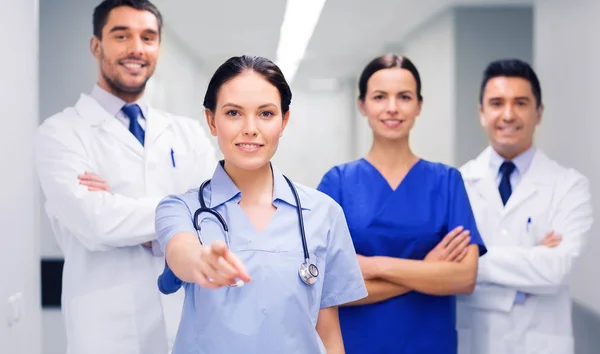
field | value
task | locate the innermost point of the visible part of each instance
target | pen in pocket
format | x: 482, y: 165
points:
x: 173, y: 157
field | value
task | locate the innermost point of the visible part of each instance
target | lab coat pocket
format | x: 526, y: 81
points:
x: 184, y: 167
x: 103, y: 322
x: 464, y: 341
x: 540, y: 343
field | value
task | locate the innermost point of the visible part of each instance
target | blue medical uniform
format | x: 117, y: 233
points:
x: 405, y: 223
x: 276, y: 312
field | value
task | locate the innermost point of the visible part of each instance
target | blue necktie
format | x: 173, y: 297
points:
x: 506, y: 169
x: 133, y: 112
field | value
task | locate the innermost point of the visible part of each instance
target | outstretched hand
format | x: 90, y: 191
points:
x: 217, y: 266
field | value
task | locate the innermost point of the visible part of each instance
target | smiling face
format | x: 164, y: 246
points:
x: 391, y: 103
x: 127, y: 52
x: 248, y: 121
x: 509, y: 114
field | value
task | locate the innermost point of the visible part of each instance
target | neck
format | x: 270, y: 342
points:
x: 391, y: 154
x: 256, y: 186
x: 510, y: 154
x: 128, y: 97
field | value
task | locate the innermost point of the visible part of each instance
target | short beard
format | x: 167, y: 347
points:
x: 117, y: 88
x: 121, y: 90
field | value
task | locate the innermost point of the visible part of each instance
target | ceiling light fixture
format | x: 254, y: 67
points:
x: 299, y: 22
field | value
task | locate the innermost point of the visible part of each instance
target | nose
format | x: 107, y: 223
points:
x: 250, y: 128
x: 508, y: 114
x: 136, y: 46
x: 392, y: 106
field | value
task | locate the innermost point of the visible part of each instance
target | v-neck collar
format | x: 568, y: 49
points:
x: 382, y: 177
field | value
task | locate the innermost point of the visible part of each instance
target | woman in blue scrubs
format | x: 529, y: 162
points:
x: 411, y: 223
x: 272, y: 310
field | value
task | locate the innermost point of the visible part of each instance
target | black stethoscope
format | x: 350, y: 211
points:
x: 308, y: 271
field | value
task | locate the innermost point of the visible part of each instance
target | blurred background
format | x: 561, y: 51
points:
x: 322, y: 46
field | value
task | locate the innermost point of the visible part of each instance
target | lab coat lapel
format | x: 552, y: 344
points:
x: 483, y: 182
x: 156, y: 123
x: 94, y: 113
x: 529, y: 185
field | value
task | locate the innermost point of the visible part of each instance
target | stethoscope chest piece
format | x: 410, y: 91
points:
x: 308, y: 273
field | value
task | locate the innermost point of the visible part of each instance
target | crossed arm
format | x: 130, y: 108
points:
x: 99, y: 219
x: 450, y: 268
x: 542, y: 270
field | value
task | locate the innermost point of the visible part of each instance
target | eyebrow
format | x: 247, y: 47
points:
x: 525, y: 98
x: 118, y: 28
x: 401, y: 92
x: 240, y: 107
x: 125, y: 28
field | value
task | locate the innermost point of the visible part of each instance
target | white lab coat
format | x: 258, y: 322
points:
x: 548, y: 197
x: 110, y: 299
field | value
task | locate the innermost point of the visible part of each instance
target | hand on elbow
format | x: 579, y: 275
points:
x: 452, y: 248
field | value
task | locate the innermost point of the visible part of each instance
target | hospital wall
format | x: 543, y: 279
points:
x: 19, y: 202
x: 566, y: 58
x: 318, y: 135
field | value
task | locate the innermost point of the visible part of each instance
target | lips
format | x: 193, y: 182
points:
x: 392, y: 123
x: 511, y: 129
x: 133, y: 66
x: 249, y: 147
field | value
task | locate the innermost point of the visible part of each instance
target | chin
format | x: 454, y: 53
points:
x: 248, y: 163
x: 393, y: 135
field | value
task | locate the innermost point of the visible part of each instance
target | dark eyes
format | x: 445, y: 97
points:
x: 236, y: 113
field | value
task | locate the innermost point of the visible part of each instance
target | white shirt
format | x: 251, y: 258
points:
x: 113, y: 104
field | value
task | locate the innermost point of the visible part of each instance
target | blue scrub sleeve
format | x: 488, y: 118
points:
x: 172, y: 217
x: 343, y: 281
x: 460, y: 211
x: 330, y: 185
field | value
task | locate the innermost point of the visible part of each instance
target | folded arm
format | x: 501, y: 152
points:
x: 380, y: 290
x: 434, y: 278
x: 99, y: 219
x: 542, y: 270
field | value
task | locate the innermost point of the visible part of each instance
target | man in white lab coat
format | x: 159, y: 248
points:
x: 104, y: 165
x: 533, y: 215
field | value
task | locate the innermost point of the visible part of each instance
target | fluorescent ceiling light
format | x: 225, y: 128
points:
x: 299, y: 21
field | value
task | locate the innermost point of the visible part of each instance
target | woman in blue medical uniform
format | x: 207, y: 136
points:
x: 411, y: 223
x: 275, y: 259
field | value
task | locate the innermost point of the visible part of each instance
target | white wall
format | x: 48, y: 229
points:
x: 19, y: 218
x: 67, y: 68
x: 432, y: 49
x: 566, y: 59
x: 318, y: 135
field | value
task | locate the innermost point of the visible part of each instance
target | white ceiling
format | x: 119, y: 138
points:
x: 348, y: 35
x: 215, y: 30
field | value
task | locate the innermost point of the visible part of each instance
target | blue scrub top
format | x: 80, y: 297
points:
x: 276, y: 312
x: 406, y: 223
